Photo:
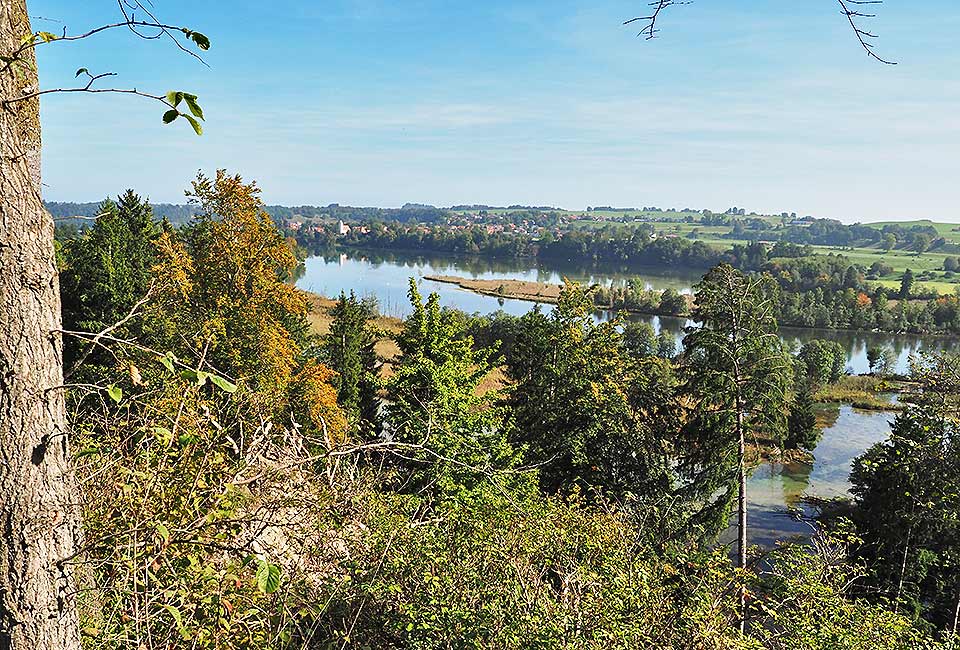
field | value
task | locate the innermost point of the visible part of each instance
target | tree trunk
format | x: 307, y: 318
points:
x: 903, y: 567
x: 956, y: 615
x: 742, y: 515
x: 39, y: 523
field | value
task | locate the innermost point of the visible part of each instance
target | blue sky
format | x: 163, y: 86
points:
x: 765, y: 105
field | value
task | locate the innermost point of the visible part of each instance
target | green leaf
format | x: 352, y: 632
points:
x: 202, y: 377
x: 268, y: 577
x: 194, y: 123
x: 192, y: 104
x: 82, y: 71
x: 164, y: 532
x: 170, y: 115
x: 223, y: 384
x: 90, y: 451
x: 175, y: 613
x: 200, y: 39
x: 163, y: 434
x: 115, y: 393
x: 174, y: 98
x: 46, y: 37
x: 167, y: 360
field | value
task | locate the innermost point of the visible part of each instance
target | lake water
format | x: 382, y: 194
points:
x: 385, y: 277
x: 774, y: 487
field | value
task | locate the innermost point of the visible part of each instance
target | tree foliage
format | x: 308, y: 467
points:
x: 907, y: 500
x: 454, y: 433
x: 572, y: 406
x: 349, y: 349
x: 736, y: 374
x: 108, y: 271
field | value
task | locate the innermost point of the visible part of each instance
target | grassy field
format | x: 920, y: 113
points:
x: 676, y: 224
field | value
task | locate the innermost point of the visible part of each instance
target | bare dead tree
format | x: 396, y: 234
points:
x: 851, y: 10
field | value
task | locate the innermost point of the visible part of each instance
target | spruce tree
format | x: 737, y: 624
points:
x: 737, y: 375
x: 349, y: 349
x: 107, y: 272
x: 802, y: 422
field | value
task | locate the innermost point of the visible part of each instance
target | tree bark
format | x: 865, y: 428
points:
x: 39, y: 522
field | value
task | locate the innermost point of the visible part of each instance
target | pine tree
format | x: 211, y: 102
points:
x: 349, y: 349
x: 906, y: 285
x: 802, y: 422
x: 107, y: 272
x: 907, y: 496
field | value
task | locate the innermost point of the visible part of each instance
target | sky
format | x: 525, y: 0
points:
x: 769, y: 106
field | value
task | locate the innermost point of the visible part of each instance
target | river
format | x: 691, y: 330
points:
x: 774, y: 487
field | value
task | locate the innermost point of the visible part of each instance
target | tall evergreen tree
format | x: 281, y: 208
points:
x: 349, y: 350
x: 108, y: 271
x: 737, y: 375
x: 802, y: 422
x: 906, y: 285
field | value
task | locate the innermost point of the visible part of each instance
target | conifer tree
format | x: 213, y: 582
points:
x: 907, y: 496
x: 349, y: 348
x: 802, y: 422
x: 737, y: 375
x: 108, y: 271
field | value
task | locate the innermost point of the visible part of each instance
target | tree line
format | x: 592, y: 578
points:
x: 824, y: 291
x: 543, y: 481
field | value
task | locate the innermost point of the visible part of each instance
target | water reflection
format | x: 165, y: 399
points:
x: 775, y: 487
x: 384, y: 276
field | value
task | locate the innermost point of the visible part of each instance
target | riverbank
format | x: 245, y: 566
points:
x: 549, y: 293
x: 539, y: 292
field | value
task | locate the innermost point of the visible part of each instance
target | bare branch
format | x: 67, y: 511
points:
x: 848, y: 8
x: 861, y: 34
x: 650, y: 27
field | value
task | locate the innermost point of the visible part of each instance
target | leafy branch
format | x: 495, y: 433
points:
x: 128, y: 8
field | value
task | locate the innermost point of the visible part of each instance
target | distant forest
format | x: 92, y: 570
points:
x: 180, y: 213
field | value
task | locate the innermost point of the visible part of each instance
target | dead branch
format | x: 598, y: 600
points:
x: 849, y: 8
